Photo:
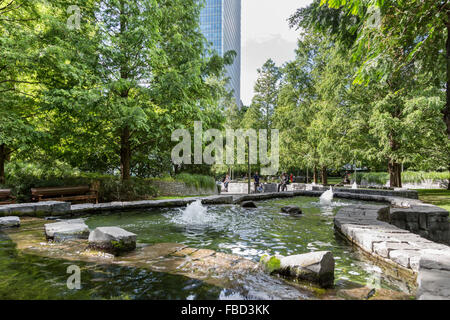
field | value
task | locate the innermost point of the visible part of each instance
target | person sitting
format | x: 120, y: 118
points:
x: 284, y: 178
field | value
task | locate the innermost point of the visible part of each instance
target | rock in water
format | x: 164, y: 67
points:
x: 112, y: 240
x: 67, y: 230
x: 9, y: 222
x: 292, y: 210
x: 316, y: 267
x: 248, y: 204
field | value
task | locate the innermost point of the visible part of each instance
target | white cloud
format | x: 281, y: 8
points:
x: 266, y: 34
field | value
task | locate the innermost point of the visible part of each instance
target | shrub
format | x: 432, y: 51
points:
x: 381, y: 178
x: 21, y: 177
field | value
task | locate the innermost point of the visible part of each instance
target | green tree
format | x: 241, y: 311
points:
x: 266, y: 94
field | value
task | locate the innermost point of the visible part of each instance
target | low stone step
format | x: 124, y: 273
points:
x: 67, y: 230
x: 112, y: 240
x: 9, y: 222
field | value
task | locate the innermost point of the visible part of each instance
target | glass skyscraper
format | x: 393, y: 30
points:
x: 220, y: 23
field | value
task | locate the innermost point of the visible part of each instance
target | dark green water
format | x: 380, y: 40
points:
x: 28, y: 277
x: 230, y: 229
x: 253, y: 233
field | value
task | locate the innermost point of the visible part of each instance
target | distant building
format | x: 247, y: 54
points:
x: 220, y: 23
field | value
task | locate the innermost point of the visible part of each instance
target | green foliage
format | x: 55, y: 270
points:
x: 193, y: 180
x: 381, y: 178
x: 270, y: 264
x: 21, y: 177
x: 417, y: 177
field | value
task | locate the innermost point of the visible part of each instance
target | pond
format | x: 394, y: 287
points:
x: 225, y: 228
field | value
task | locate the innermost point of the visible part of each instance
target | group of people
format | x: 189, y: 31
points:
x: 285, y: 179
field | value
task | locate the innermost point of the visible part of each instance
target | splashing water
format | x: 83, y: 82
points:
x: 327, y: 197
x: 194, y: 214
x: 355, y: 185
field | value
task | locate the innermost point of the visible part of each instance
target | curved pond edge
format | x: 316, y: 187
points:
x: 392, y: 234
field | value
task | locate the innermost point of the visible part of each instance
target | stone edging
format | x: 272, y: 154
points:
x: 400, y: 248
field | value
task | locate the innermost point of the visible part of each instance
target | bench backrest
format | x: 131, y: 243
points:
x: 5, y: 193
x: 60, y: 191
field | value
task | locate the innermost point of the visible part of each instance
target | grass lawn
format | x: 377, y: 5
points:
x: 438, y: 197
x: 334, y: 180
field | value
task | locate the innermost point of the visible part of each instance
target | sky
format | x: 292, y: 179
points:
x: 266, y: 34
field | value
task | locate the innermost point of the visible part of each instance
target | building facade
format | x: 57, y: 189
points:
x: 220, y: 23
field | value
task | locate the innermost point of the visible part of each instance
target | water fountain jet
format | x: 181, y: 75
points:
x: 327, y: 197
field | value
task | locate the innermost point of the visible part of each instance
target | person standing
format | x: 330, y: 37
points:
x: 291, y: 178
x: 283, y: 181
x: 257, y: 178
x: 226, y: 181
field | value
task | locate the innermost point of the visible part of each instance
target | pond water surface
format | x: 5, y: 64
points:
x: 226, y: 228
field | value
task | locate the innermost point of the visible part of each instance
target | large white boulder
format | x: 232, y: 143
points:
x: 316, y: 267
x: 9, y: 222
x: 112, y: 240
x: 67, y: 230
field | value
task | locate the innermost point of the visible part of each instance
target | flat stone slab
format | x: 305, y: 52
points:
x: 112, y: 240
x: 9, y: 222
x: 67, y: 230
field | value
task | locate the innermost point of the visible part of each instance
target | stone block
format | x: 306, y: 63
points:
x: 402, y: 257
x: 112, y: 240
x: 316, y: 267
x: 67, y: 230
x: 9, y: 222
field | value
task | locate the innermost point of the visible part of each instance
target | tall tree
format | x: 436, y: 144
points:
x: 266, y: 92
x: 18, y: 84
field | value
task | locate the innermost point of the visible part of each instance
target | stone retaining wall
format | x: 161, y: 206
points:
x: 402, y: 249
x: 39, y: 209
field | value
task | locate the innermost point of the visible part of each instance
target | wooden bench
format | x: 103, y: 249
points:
x: 6, y: 197
x: 70, y: 194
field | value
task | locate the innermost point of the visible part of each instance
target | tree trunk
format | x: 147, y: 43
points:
x: 395, y: 174
x: 125, y: 143
x: 324, y: 176
x: 446, y: 110
x: 315, y: 176
x: 125, y: 154
x: 3, y: 156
